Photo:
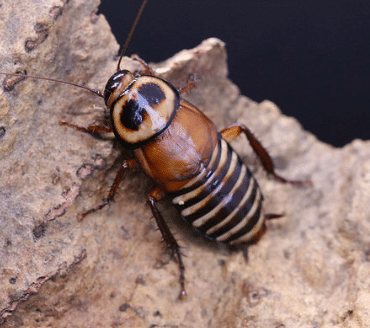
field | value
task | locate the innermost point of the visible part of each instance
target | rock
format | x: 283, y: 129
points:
x: 310, y: 269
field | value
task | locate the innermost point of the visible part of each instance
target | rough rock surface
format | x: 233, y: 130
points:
x: 311, y: 268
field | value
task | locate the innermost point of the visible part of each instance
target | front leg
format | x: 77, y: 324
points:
x: 155, y: 195
x: 126, y: 165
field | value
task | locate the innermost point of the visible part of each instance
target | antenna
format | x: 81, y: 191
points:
x: 129, y: 36
x: 97, y: 92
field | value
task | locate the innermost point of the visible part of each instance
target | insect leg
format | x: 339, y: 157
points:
x: 126, y: 165
x: 230, y: 133
x: 191, y: 83
x: 148, y: 70
x: 258, y: 236
x: 89, y: 129
x: 155, y: 195
x: 193, y: 77
x: 245, y: 253
x: 272, y: 216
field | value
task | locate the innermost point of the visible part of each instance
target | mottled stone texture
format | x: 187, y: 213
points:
x: 311, y: 268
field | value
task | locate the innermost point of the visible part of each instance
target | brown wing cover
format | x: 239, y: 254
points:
x: 182, y: 151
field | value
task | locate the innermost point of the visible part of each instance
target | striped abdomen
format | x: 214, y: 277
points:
x: 224, y: 201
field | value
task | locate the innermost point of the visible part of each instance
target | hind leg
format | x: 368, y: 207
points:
x: 153, y: 196
x: 230, y: 133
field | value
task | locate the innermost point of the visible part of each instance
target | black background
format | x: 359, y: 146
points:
x: 312, y: 58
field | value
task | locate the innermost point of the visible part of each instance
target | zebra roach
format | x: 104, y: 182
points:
x: 177, y: 146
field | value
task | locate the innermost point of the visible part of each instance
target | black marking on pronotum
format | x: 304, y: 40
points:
x: 152, y: 93
x: 176, y: 105
x: 132, y: 114
x: 135, y: 109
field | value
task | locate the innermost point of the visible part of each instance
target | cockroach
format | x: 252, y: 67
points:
x: 192, y: 163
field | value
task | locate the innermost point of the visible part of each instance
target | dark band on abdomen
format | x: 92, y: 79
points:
x: 225, y: 203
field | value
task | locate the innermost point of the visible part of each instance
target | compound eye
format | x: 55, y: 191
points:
x: 116, y: 85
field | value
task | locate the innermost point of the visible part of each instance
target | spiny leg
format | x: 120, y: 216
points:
x: 155, y: 195
x: 193, y: 76
x: 191, y: 83
x: 148, y: 69
x: 230, y: 133
x: 245, y: 253
x: 126, y: 165
x: 268, y: 216
x: 272, y: 216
